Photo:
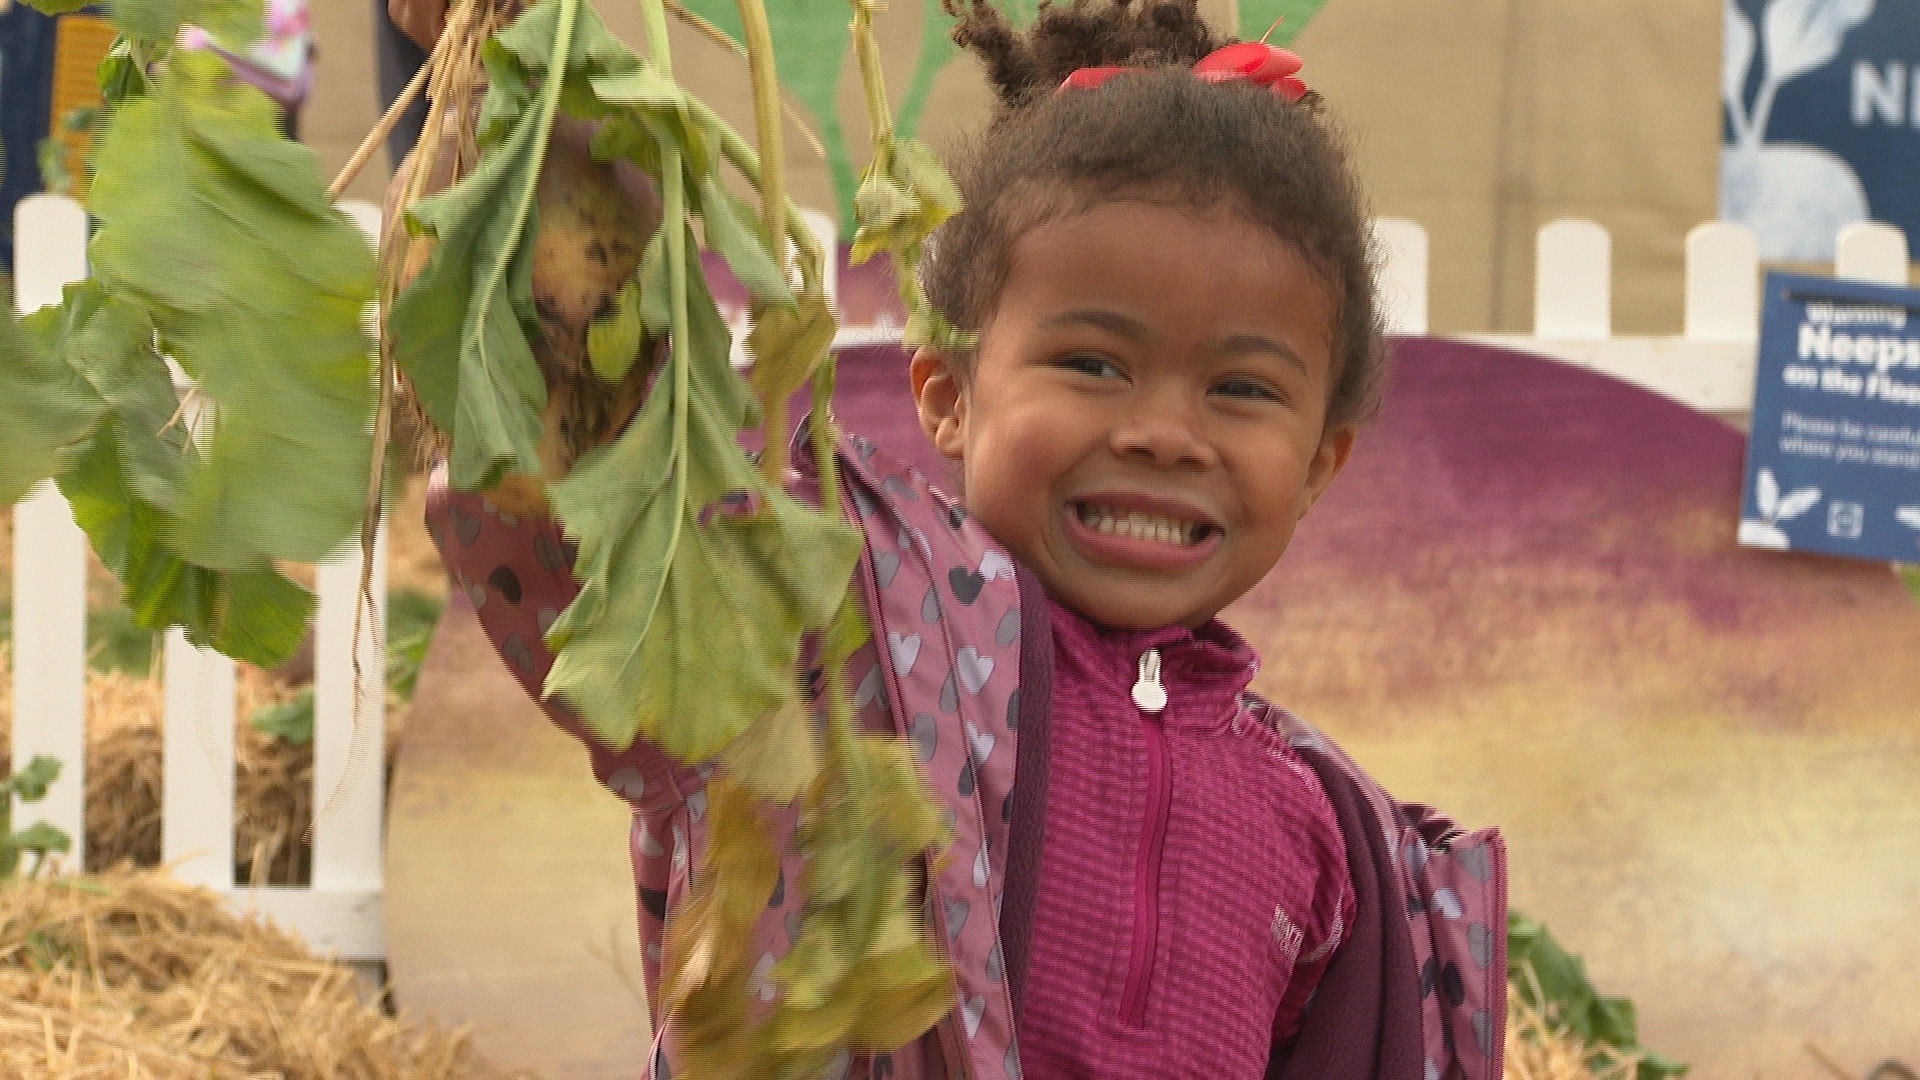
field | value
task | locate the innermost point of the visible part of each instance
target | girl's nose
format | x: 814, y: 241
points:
x: 1164, y: 432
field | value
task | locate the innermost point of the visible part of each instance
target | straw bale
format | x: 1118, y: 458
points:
x: 1540, y: 1048
x: 132, y: 974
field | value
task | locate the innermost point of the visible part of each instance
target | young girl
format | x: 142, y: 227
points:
x: 1153, y: 873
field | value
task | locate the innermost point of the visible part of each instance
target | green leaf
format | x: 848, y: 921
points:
x: 1554, y: 980
x: 746, y: 587
x: 119, y: 75
x: 290, y: 721
x: 31, y: 783
x: 591, y: 49
x: 110, y: 344
x: 253, y: 613
x: 455, y: 328
x: 59, y: 7
x: 614, y: 339
x: 789, y: 345
x: 656, y: 286
x: 734, y: 232
x: 52, y: 159
x: 412, y: 616
x: 652, y: 112
x: 222, y: 231
x: 41, y: 839
x: 234, y: 24
x: 715, y: 556
x: 46, y: 409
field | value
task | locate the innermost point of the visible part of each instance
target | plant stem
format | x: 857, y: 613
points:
x: 653, y: 22
x: 719, y: 37
x: 773, y: 196
x: 370, y: 144
x: 742, y: 156
x: 872, y: 80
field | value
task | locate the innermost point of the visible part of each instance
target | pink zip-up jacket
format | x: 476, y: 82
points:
x: 1405, y: 959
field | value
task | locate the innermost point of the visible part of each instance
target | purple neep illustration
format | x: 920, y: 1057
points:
x: 1795, y: 198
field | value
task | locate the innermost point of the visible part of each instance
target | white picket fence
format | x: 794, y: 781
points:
x: 340, y: 911
x: 1710, y: 366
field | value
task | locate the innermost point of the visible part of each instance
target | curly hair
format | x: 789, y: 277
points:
x: 1160, y: 135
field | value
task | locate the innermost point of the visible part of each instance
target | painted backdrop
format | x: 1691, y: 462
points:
x: 812, y: 42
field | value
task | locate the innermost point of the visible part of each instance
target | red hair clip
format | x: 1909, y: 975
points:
x: 1257, y: 62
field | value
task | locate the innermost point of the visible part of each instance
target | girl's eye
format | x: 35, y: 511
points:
x: 1247, y: 388
x: 1089, y: 364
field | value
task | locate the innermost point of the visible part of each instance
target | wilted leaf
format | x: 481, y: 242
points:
x: 776, y: 759
x: 788, y: 344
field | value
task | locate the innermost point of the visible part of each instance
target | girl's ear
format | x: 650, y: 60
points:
x: 1335, y: 446
x: 940, y: 401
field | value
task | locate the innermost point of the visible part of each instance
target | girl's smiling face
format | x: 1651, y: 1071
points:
x: 1145, y: 419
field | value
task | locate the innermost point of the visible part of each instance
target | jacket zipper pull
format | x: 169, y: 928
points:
x: 1148, y: 693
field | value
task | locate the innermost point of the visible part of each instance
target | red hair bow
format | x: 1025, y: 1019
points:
x: 1263, y: 65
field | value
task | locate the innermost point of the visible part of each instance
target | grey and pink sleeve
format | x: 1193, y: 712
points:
x: 517, y: 574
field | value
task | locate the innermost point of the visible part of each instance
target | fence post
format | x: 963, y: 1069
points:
x: 1573, y: 282
x: 349, y: 733
x: 196, y: 794
x: 1401, y: 248
x: 1870, y: 251
x: 349, y: 747
x: 50, y: 560
x: 1723, y: 283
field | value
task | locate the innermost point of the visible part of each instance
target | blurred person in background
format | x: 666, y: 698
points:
x: 403, y: 30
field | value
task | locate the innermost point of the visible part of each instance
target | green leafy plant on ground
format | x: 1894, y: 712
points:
x: 39, y: 839
x: 1911, y: 575
x: 1554, y: 981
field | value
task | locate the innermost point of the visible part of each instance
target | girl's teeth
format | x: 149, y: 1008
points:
x: 1139, y: 526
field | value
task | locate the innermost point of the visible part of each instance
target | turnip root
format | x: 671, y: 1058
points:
x: 592, y: 223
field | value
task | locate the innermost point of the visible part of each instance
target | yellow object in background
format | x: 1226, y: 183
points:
x: 80, y: 43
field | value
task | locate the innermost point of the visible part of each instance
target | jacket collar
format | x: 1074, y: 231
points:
x: 1204, y: 671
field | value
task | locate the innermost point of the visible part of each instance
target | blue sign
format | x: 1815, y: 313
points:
x: 1833, y: 462
x: 1820, y: 120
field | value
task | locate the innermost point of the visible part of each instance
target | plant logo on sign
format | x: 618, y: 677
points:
x: 1794, y: 197
x: 1910, y: 517
x: 1774, y: 510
